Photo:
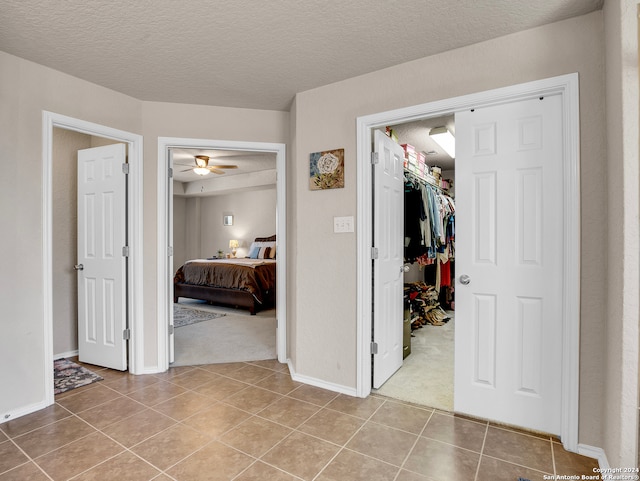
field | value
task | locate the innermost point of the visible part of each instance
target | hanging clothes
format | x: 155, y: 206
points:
x: 429, y: 219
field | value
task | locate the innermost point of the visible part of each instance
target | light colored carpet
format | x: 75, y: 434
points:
x: 426, y: 375
x: 235, y: 337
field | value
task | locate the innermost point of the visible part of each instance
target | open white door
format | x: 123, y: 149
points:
x: 509, y: 241
x: 388, y: 242
x: 102, y: 309
x: 172, y: 348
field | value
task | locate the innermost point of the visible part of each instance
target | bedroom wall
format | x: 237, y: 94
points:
x: 26, y: 89
x: 324, y: 291
x: 254, y: 215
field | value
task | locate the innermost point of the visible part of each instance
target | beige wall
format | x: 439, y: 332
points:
x: 254, y: 216
x: 197, y: 122
x: 26, y: 89
x: 621, y: 345
x: 324, y: 291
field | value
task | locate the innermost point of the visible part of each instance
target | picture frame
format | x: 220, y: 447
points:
x: 227, y: 219
x: 326, y: 170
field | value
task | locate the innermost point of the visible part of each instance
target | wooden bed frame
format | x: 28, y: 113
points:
x: 222, y: 297
x: 226, y: 297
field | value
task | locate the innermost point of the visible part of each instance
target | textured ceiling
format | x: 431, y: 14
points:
x: 252, y: 54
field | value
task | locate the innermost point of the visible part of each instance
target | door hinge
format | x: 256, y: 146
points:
x: 125, y: 168
x: 125, y: 251
x: 171, y: 329
x: 374, y: 348
x: 126, y: 334
x: 170, y: 173
x: 374, y: 252
x: 374, y: 158
x: 170, y: 251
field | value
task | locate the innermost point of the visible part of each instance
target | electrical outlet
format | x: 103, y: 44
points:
x: 343, y: 224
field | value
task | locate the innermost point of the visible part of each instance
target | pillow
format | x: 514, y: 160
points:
x: 261, y: 252
x: 269, y: 242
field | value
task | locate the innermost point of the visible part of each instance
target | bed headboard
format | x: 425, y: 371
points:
x: 266, y: 239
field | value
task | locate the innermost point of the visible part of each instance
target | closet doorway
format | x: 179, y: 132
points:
x: 427, y: 373
x: 567, y: 168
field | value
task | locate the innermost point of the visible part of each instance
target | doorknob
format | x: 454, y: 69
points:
x: 405, y: 268
x: 78, y: 267
x: 465, y: 279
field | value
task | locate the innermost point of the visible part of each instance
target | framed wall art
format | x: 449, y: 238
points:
x: 326, y: 170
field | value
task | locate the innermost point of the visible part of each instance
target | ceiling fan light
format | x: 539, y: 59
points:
x: 201, y: 171
x: 202, y: 160
x: 444, y: 139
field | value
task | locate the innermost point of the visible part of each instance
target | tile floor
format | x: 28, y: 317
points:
x: 250, y: 422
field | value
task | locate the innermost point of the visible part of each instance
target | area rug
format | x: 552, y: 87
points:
x: 233, y: 338
x: 185, y: 316
x: 68, y: 375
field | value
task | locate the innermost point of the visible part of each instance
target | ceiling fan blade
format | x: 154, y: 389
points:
x: 215, y: 170
x: 186, y: 170
x: 224, y: 166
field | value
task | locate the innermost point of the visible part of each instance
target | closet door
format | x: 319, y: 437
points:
x: 388, y: 279
x: 509, y: 240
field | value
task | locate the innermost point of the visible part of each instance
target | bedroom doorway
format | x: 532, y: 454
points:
x: 243, y: 174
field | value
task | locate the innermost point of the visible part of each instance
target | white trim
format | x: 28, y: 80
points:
x: 136, y: 319
x: 565, y: 85
x: 164, y: 286
x: 64, y: 355
x: 312, y: 381
x: 594, y: 453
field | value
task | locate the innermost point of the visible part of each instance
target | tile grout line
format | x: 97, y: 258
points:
x: 29, y: 460
x: 406, y: 458
x: 343, y: 447
x: 484, y: 440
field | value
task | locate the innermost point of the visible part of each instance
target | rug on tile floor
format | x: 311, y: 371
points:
x: 68, y: 375
x: 185, y: 316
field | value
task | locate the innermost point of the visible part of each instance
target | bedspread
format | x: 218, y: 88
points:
x: 254, y: 276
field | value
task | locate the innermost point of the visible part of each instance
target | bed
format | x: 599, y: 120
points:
x: 245, y: 283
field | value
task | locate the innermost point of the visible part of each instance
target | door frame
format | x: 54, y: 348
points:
x: 568, y: 87
x: 51, y: 120
x: 165, y: 283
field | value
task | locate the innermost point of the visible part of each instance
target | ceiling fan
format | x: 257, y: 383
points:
x: 203, y: 168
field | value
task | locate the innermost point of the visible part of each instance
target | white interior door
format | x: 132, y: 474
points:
x: 172, y: 349
x: 509, y: 240
x: 388, y: 241
x: 102, y: 310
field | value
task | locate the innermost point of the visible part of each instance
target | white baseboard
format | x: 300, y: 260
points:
x: 349, y: 391
x: 595, y: 453
x: 31, y: 408
x: 64, y: 355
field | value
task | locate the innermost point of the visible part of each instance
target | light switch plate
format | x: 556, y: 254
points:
x: 343, y: 224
